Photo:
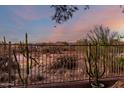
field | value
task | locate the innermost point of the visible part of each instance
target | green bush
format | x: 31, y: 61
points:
x: 121, y: 63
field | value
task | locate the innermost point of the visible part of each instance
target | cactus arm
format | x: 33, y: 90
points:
x: 31, y: 59
x: 89, y: 61
x: 4, y: 43
x: 103, y: 69
x: 18, y: 67
x: 89, y: 57
x: 4, y: 39
x: 88, y: 71
x: 102, y: 73
x: 96, y: 67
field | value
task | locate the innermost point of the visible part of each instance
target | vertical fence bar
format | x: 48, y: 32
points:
x: 112, y: 63
x: 109, y: 61
x: 46, y: 63
x: 53, y: 60
x: 42, y: 62
x: 9, y: 64
x: 23, y: 63
x: 121, y: 57
x: 31, y: 64
x: 116, y: 62
x: 13, y: 47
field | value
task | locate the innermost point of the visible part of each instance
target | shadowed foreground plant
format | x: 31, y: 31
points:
x: 5, y: 69
x: 26, y: 53
x: 99, y: 52
x: 18, y: 66
x: 92, y: 62
x: 24, y: 50
x: 7, y: 65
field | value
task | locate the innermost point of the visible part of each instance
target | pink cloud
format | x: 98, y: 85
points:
x: 110, y: 16
x: 63, y: 34
x: 57, y: 34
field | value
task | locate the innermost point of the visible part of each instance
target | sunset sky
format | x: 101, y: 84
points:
x: 15, y: 21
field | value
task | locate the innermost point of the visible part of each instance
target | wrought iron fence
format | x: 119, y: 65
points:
x: 54, y: 63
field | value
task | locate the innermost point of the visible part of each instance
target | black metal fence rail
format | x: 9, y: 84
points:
x: 54, y: 63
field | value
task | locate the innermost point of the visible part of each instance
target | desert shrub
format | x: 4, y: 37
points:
x: 51, y: 50
x: 5, y: 78
x: 65, y: 62
x: 117, y: 64
x: 121, y: 63
x: 4, y: 69
x: 67, y: 48
x: 4, y: 63
x: 40, y: 77
x: 56, y: 49
x: 37, y: 78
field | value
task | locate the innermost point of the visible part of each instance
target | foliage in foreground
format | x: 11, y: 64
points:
x: 98, y: 53
x: 7, y: 66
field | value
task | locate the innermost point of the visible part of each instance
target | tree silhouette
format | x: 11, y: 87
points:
x: 65, y: 12
x: 102, y: 35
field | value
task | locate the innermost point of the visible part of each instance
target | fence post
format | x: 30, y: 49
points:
x: 9, y: 64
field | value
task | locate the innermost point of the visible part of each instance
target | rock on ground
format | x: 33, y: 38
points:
x: 119, y: 84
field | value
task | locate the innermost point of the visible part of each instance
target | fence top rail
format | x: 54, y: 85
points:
x: 67, y: 44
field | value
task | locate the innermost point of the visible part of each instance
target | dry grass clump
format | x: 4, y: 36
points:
x: 51, y: 50
x: 56, y: 49
x: 65, y: 62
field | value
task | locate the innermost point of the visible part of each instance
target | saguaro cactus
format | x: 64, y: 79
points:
x: 25, y: 52
x: 4, y: 44
x: 18, y: 67
x: 92, y: 62
x: 27, y: 57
